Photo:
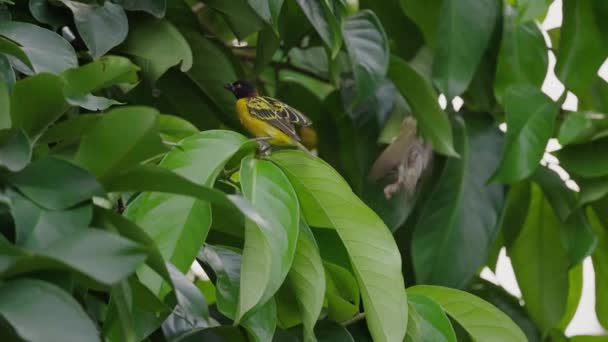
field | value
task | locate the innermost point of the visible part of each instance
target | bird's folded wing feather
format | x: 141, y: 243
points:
x: 264, y: 110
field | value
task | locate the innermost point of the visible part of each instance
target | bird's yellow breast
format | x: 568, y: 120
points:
x: 260, y: 128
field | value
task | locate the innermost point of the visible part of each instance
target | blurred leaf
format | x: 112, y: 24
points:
x: 38, y: 311
x: 324, y: 22
x: 175, y: 128
x: 192, y: 304
x: 9, y: 48
x: 589, y: 338
x: 456, y: 59
x: 530, y: 119
x: 35, y: 116
x: 328, y: 331
x: 367, y: 47
x: 101, y: 73
x: 268, y: 10
x: 480, y: 319
x: 219, y: 334
x: 575, y: 158
x: 156, y: 45
x: 540, y: 263
x: 575, y: 290
x: 342, y: 292
x: 241, y: 18
x: 15, y: 150
x: 101, y: 27
x: 55, y: 183
x: 72, y: 128
x: 523, y: 54
x: 580, y: 127
x: 515, y: 211
x: 596, y: 98
x: 155, y: 7
x: 433, y: 122
x: 327, y: 201
x: 461, y: 214
x: 581, y: 46
x: 268, y: 43
x: 5, y: 104
x: 46, y: 50
x: 528, y: 10
x: 600, y: 260
x: 50, y: 13
x: 124, y: 138
x: 427, y: 321
x: 7, y: 74
x: 425, y: 15
x: 592, y: 189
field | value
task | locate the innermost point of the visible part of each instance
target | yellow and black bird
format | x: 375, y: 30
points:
x: 266, y: 118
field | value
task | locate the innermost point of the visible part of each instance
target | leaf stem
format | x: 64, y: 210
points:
x: 358, y: 317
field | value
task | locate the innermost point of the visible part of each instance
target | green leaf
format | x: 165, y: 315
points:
x: 155, y: 7
x: 101, y: 73
x: 270, y: 248
x: 70, y: 129
x: 47, y: 12
x: 327, y: 201
x: 325, y: 23
x: 575, y: 158
x: 46, y: 50
x: 156, y: 45
x: 328, y: 331
x: 530, y: 119
x: 38, y: 311
x: 425, y: 15
x: 55, y: 183
x: 221, y: 333
x: 581, y: 127
x: 35, y: 116
x: 528, y: 10
x: 124, y: 138
x: 433, y: 122
x: 522, y: 57
x: 15, y: 150
x: 7, y: 74
x: 581, y: 46
x: 11, y: 49
x: 461, y: 213
x: 101, y: 27
x: 342, y: 293
x: 268, y: 10
x: 600, y: 261
x: 5, y: 105
x: 540, y: 263
x: 174, y: 128
x: 592, y: 189
x: 456, y: 58
x: 177, y: 223
x: 367, y: 47
x: 515, y: 211
x: 575, y: 290
x: 267, y: 45
x: 589, y: 338
x: 480, y: 319
x: 241, y: 18
x: 191, y: 301
x: 427, y: 321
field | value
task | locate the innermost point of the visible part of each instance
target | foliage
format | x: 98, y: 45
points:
x: 122, y: 163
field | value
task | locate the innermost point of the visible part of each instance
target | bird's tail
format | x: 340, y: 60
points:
x: 303, y: 148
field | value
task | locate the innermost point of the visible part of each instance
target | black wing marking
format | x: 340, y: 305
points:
x: 291, y: 114
x: 262, y: 109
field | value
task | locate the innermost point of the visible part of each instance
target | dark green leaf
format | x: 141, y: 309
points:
x: 47, y: 12
x: 528, y: 10
x: 530, y: 119
x: 456, y: 58
x: 46, y: 50
x: 367, y: 47
x: 462, y: 212
x: 155, y: 7
x: 342, y: 292
x: 15, y: 149
x: 215, y: 334
x: 328, y: 331
x: 327, y: 201
x: 268, y: 43
x: 592, y: 189
x: 515, y: 211
x: 38, y: 311
x: 425, y: 15
x: 600, y: 260
x: 35, y: 116
x: 11, y: 49
x: 581, y: 127
x: 5, y: 104
x: 55, y: 183
x: 70, y: 129
x: 575, y: 158
x: 541, y: 264
x: 101, y: 73
x: 156, y: 45
x: 523, y: 54
x: 427, y: 321
x: 575, y: 290
x: 268, y: 10
x: 7, y: 74
x: 433, y: 122
x: 324, y: 22
x: 122, y: 139
x: 479, y: 318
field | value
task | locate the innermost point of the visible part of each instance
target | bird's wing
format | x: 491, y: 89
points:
x: 291, y: 114
x: 264, y: 110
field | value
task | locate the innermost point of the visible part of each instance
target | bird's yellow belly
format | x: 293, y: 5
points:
x: 258, y: 127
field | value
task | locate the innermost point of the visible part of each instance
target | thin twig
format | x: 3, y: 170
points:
x: 358, y: 317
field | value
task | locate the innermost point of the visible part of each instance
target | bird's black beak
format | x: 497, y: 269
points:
x: 229, y: 86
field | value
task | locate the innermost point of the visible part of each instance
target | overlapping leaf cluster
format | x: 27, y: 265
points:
x: 105, y: 203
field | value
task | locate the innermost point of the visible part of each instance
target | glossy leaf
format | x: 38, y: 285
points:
x: 480, y: 319
x: 600, y: 260
x: 38, y: 310
x: 15, y: 150
x: 530, y: 119
x: 327, y: 201
x: 46, y: 50
x: 367, y: 47
x: 528, y: 10
x: 191, y: 301
x: 156, y: 45
x: 461, y: 213
x: 155, y: 7
x: 324, y: 22
x: 11, y: 49
x: 575, y: 158
x: 523, y: 56
x: 456, y: 59
x: 427, y: 320
x: 425, y: 15
x: 174, y: 128
x: 575, y: 290
x: 592, y: 189
x: 101, y: 73
x: 432, y: 121
x: 541, y: 264
x: 122, y: 139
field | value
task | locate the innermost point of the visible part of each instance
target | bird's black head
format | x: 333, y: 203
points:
x: 241, y: 89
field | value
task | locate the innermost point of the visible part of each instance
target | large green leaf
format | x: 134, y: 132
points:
x: 101, y: 73
x: 240, y: 17
x: 268, y: 10
x: 5, y: 105
x: 456, y: 57
x: 325, y: 23
x: 101, y: 27
x: 124, y: 137
x: 575, y: 158
x: 327, y: 201
x: 179, y: 224
x: 461, y: 213
x: 528, y: 10
x: 425, y: 15
x: 427, y: 321
x: 156, y: 45
x: 35, y: 116
x: 367, y: 47
x: 46, y: 50
x: 55, y: 183
x: 38, y: 311
x: 480, y: 319
x: 581, y: 46
x: 9, y: 48
x: 155, y: 7
x: 523, y: 55
x: 575, y: 290
x: 600, y: 260
x: 530, y: 119
x: 269, y: 249
x: 592, y: 189
x: 583, y: 126
x: 7, y: 74
x: 191, y: 301
x: 514, y: 212
x: 433, y: 122
x: 541, y: 264
x: 15, y: 149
